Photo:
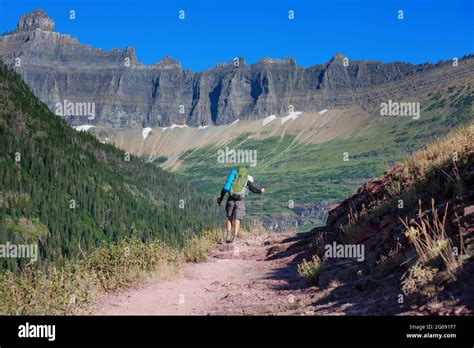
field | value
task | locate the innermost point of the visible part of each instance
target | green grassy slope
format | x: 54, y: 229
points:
x: 307, y: 173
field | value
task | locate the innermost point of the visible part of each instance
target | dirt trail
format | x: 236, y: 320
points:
x: 256, y: 275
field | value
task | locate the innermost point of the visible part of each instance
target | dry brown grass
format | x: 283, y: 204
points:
x: 355, y: 219
x: 311, y: 269
x: 247, y: 233
x: 457, y: 144
x: 388, y: 263
x: 434, y: 250
x: 74, y: 288
x: 197, y: 248
x: 335, y: 283
x: 429, y: 238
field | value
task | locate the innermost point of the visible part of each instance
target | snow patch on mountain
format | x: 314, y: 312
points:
x: 145, y: 132
x: 292, y: 116
x: 173, y: 126
x: 268, y: 119
x: 83, y: 128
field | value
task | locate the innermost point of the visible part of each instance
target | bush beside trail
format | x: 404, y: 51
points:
x: 74, y: 288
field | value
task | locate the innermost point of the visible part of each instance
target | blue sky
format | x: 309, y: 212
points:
x: 216, y: 31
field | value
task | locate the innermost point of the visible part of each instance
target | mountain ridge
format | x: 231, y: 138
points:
x: 57, y: 68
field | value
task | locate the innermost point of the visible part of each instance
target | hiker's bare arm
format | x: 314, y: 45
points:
x: 253, y: 188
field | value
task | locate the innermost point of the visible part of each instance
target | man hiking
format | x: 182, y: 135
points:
x: 237, y: 183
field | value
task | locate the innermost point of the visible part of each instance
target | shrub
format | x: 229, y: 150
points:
x: 124, y: 263
x: 197, y: 248
x: 310, y: 270
x: 394, y: 188
x: 419, y: 276
x: 73, y: 288
x: 430, y: 240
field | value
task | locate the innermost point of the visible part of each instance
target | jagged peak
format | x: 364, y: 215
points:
x: 236, y: 62
x: 37, y: 19
x: 286, y: 60
x: 167, y: 62
x: 338, y: 57
x: 129, y: 52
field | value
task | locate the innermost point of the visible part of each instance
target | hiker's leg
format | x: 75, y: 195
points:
x: 236, y: 228
x: 229, y: 227
x: 239, y: 215
x: 229, y: 209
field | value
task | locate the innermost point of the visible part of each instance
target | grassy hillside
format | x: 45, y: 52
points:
x: 306, y: 173
x: 69, y: 193
x: 416, y: 225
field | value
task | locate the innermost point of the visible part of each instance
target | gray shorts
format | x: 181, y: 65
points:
x: 235, y: 208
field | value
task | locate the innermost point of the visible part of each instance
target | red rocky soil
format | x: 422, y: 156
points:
x: 258, y: 276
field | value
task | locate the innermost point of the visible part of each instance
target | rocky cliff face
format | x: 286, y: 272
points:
x: 126, y: 92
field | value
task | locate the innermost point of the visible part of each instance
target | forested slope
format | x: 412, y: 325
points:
x: 68, y: 192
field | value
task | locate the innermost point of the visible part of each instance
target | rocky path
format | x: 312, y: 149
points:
x: 257, y: 275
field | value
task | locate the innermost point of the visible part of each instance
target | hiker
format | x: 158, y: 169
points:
x: 237, y: 183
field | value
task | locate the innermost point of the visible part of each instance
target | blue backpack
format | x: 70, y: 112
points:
x: 230, y: 180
